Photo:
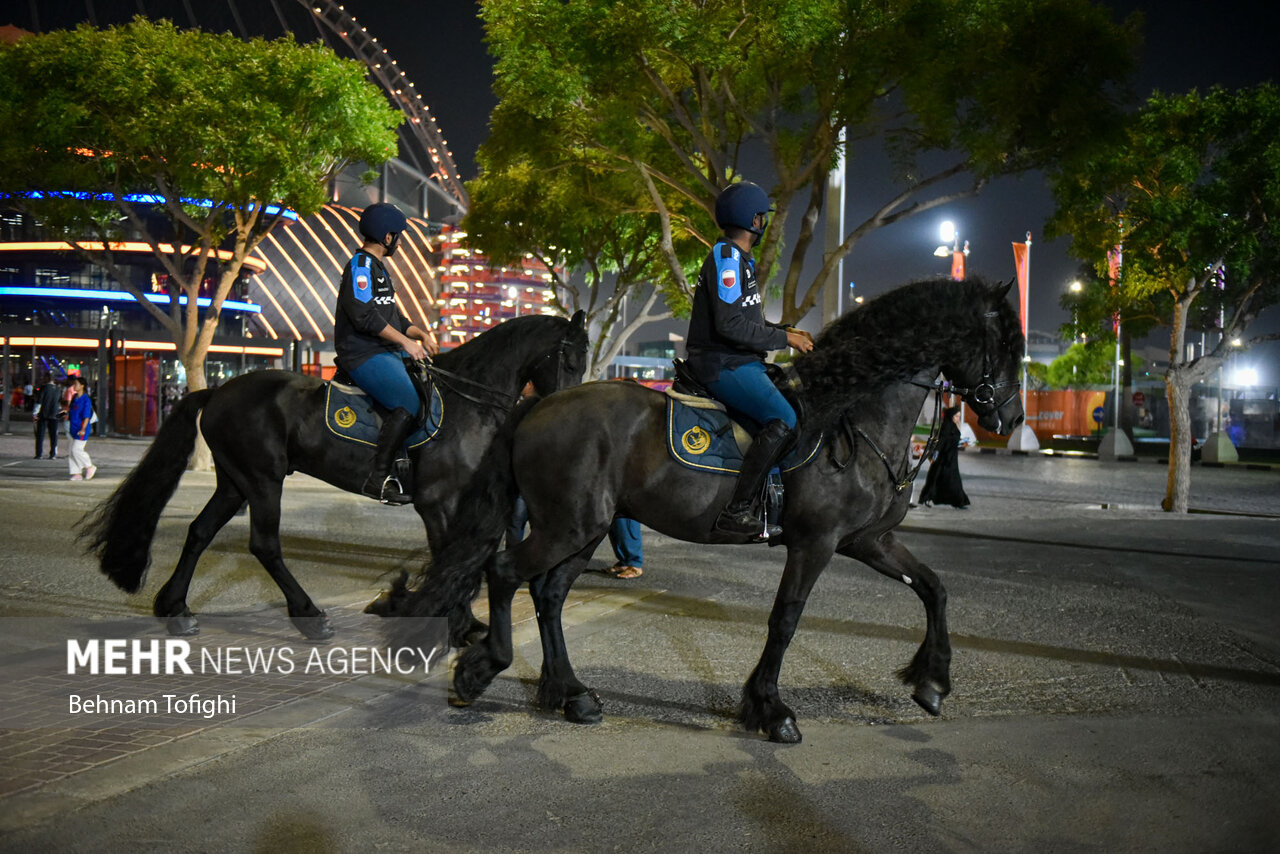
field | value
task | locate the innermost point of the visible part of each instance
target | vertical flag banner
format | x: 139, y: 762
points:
x: 1022, y: 264
x: 958, y: 263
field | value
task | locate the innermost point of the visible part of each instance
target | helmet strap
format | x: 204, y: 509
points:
x: 390, y: 245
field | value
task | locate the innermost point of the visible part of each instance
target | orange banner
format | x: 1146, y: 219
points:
x: 1022, y: 265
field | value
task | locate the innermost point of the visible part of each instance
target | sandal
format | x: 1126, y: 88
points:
x: 624, y: 572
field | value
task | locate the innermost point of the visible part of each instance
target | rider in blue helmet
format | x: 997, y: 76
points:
x: 728, y: 340
x: 371, y: 334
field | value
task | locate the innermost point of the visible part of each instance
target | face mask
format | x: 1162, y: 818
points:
x: 394, y: 242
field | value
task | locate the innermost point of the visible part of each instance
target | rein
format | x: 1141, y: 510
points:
x: 907, y: 475
x: 498, y: 398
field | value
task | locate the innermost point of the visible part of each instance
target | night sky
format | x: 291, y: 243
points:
x: 1188, y: 44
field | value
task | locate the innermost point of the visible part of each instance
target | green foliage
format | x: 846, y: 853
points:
x: 1192, y: 191
x: 148, y: 108
x: 694, y: 95
x: 1088, y: 364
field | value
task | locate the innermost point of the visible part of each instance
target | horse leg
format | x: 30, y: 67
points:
x: 558, y: 686
x: 484, y: 660
x: 929, y: 672
x: 762, y: 710
x: 264, y: 543
x: 171, y: 602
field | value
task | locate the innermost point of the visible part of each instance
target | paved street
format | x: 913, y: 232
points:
x: 1115, y: 677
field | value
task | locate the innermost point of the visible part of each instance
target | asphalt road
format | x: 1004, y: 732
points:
x: 1116, y: 674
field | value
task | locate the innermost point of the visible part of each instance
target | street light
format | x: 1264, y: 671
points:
x: 950, y: 235
x: 1076, y: 288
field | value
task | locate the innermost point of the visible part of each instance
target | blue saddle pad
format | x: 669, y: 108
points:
x: 704, y: 439
x: 349, y: 414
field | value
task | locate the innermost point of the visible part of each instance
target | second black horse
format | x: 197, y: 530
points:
x: 265, y: 425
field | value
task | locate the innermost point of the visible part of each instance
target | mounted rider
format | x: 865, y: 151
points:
x: 371, y: 336
x: 728, y: 340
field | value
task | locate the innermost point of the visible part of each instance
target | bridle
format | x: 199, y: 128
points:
x: 487, y: 395
x: 984, y: 394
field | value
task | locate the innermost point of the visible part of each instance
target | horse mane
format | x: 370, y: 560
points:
x: 891, y: 338
x: 476, y: 357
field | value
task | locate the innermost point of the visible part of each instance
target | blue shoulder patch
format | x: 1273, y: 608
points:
x: 729, y: 276
x: 361, y: 277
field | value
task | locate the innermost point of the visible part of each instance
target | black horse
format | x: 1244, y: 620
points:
x: 265, y: 425
x: 598, y: 450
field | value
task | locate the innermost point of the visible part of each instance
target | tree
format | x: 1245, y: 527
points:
x: 1191, y: 191
x: 683, y: 98
x: 1086, y: 364
x: 582, y: 219
x: 184, y: 139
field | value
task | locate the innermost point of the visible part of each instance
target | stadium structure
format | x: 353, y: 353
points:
x: 60, y: 315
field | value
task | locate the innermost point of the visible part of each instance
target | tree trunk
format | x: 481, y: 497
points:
x: 1178, y: 381
x: 201, y: 456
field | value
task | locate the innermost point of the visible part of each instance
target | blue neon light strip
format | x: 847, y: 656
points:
x: 120, y: 296
x: 145, y: 199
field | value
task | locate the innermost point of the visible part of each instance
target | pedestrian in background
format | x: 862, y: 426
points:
x: 81, y: 420
x: 47, y: 410
x: 943, y: 485
x: 624, y: 536
x: 68, y: 395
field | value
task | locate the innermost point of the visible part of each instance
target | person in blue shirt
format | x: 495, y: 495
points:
x: 371, y: 336
x: 727, y: 344
x: 81, y: 418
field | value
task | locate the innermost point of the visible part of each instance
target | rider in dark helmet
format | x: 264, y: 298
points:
x: 370, y: 334
x: 728, y: 340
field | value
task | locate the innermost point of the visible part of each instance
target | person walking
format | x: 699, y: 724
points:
x: 727, y: 342
x: 370, y: 338
x: 942, y: 485
x: 47, y: 411
x: 81, y: 420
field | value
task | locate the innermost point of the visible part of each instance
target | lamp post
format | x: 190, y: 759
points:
x: 955, y: 251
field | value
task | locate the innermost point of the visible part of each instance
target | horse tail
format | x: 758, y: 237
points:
x: 120, y: 530
x: 448, y: 585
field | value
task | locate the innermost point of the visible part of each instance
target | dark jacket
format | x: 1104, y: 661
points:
x: 50, y: 401
x: 727, y: 326
x: 366, y: 304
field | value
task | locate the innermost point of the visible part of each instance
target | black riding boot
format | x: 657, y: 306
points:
x: 381, y: 485
x: 739, y: 515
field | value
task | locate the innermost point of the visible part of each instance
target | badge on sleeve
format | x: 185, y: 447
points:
x: 360, y: 275
x: 727, y: 273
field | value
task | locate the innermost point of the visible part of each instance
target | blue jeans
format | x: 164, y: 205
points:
x: 624, y: 536
x: 384, y: 378
x: 751, y: 397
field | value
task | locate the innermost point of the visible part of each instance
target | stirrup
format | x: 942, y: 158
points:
x: 389, y: 492
x: 745, y: 524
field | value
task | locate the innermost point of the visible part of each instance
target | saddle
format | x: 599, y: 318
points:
x: 702, y: 436
x: 354, y: 416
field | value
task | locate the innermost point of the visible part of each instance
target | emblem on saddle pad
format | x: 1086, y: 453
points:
x: 349, y: 415
x: 345, y: 417
x: 696, y: 440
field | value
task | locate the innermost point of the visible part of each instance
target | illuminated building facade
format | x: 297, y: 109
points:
x: 475, y: 296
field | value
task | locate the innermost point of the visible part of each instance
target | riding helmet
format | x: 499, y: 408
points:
x: 738, y: 205
x: 381, y: 219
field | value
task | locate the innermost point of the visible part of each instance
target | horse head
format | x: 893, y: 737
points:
x: 564, y: 362
x: 990, y: 375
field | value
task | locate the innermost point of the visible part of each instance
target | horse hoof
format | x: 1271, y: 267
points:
x: 785, y: 732
x: 381, y: 606
x: 184, y: 625
x: 929, y: 697
x: 457, y: 700
x: 317, y: 628
x: 584, y: 708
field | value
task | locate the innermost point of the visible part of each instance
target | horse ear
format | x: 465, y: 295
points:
x: 1002, y: 291
x: 579, y: 319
